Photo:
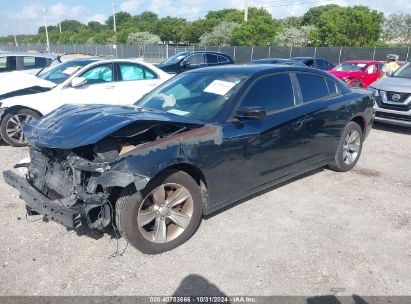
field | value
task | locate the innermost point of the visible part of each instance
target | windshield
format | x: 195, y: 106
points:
x: 63, y: 71
x: 176, y: 58
x: 350, y: 67
x: 195, y: 95
x: 404, y: 71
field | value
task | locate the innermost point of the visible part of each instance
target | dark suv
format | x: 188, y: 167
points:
x: 186, y: 61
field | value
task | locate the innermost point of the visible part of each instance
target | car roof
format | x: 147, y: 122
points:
x: 208, y: 52
x: 363, y: 61
x: 51, y: 56
x: 255, y: 69
x: 273, y: 59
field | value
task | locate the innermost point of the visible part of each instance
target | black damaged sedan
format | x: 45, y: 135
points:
x: 192, y: 146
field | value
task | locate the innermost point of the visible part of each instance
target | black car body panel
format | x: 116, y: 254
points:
x: 208, y: 59
x: 231, y: 158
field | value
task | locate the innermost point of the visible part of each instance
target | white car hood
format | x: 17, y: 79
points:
x: 17, y: 80
x: 393, y: 84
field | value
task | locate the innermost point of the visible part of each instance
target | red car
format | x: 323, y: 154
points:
x: 358, y: 73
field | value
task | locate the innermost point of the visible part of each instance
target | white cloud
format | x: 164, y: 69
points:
x: 97, y: 17
x: 130, y: 6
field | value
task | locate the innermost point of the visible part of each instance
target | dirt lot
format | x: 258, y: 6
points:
x: 325, y: 233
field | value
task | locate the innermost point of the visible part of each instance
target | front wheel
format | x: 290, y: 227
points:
x: 163, y: 215
x: 349, y: 149
x: 11, y: 127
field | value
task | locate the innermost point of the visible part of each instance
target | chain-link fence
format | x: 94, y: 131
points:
x: 240, y: 54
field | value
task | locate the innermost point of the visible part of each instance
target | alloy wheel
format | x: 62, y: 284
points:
x: 351, y: 147
x: 14, y: 128
x: 165, y: 213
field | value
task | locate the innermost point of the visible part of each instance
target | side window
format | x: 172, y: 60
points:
x: 30, y: 62
x: 150, y: 74
x: 131, y: 71
x: 371, y: 69
x: 332, y: 87
x: 272, y: 92
x: 222, y: 59
x: 99, y: 74
x: 321, y: 64
x: 211, y: 58
x: 312, y: 87
x: 8, y: 64
x: 196, y: 59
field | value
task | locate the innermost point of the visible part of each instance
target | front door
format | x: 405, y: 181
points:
x: 258, y: 152
x: 100, y: 88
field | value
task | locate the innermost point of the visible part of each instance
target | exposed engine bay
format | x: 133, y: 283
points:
x: 81, y: 178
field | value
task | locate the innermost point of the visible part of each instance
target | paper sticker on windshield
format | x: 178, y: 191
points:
x: 219, y: 87
x: 178, y: 112
x: 70, y: 70
x: 361, y: 65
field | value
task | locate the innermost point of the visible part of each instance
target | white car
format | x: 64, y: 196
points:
x: 29, y: 63
x: 114, y: 81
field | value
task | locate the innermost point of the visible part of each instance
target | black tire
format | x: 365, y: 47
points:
x: 339, y: 164
x: 5, y: 121
x: 128, y: 205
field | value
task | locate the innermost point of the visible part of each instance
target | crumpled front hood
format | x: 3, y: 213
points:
x: 18, y: 81
x: 72, y: 126
x: 393, y: 84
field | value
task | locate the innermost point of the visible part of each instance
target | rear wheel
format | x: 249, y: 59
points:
x: 349, y: 148
x: 11, y: 126
x: 162, y: 216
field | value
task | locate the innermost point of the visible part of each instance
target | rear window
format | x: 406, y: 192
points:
x: 332, y: 87
x: 211, y: 58
x: 313, y: 87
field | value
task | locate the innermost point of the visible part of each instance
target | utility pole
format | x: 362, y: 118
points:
x: 45, y: 27
x: 60, y: 26
x: 113, y: 2
x: 15, y: 38
x: 245, y: 10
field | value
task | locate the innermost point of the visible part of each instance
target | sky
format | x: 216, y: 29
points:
x: 25, y: 16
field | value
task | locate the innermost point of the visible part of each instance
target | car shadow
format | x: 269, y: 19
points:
x: 195, y: 285
x: 262, y: 192
x: 392, y: 128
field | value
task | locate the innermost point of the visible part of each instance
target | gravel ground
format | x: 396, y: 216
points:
x: 326, y: 233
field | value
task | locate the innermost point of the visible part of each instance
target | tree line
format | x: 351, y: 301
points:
x: 327, y: 25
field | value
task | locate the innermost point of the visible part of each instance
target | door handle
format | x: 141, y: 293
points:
x: 110, y: 87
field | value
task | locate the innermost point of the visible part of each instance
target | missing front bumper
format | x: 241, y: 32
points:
x: 52, y: 210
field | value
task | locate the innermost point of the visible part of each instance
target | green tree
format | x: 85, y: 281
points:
x: 72, y: 26
x: 396, y: 30
x: 260, y: 29
x: 172, y: 29
x: 95, y: 26
x: 143, y: 38
x: 122, y: 18
x: 221, y: 35
x: 226, y: 15
x: 347, y: 26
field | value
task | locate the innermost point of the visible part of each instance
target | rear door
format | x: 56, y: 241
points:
x: 134, y: 81
x: 326, y: 115
x: 101, y: 87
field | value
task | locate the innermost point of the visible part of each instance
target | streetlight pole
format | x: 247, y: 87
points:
x: 113, y: 2
x: 45, y: 27
x: 245, y: 10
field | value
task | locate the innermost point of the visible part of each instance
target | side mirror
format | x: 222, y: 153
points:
x: 78, y: 82
x: 185, y: 63
x: 254, y: 113
x: 389, y: 73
